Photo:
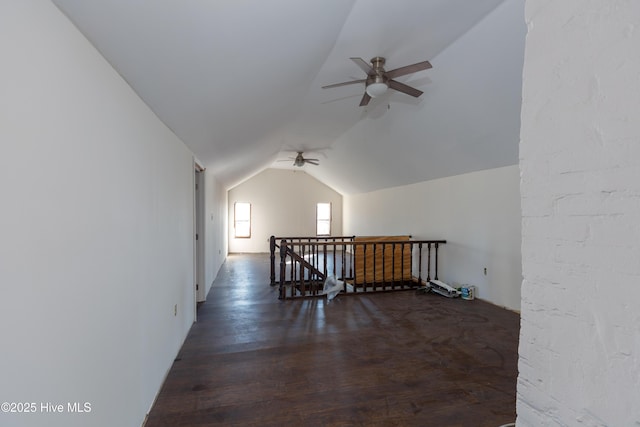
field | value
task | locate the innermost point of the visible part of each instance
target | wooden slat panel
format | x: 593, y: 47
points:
x: 395, y: 266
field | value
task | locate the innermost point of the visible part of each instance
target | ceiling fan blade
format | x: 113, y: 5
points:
x: 408, y: 69
x: 364, y: 65
x: 344, y: 83
x: 312, y: 162
x: 365, y: 99
x: 401, y: 87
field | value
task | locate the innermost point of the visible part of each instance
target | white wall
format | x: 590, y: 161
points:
x: 283, y: 203
x: 96, y: 242
x: 580, y: 163
x: 477, y: 213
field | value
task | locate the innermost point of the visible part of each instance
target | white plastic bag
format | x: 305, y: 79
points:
x: 333, y: 286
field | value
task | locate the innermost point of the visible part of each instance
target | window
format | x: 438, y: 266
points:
x: 242, y: 219
x: 323, y: 219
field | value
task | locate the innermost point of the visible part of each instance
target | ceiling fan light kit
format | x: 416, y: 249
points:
x: 378, y: 80
x: 376, y: 89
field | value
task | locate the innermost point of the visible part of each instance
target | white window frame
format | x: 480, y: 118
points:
x: 243, y: 223
x: 324, y: 221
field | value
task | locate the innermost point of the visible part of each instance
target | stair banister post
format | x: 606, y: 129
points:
x: 283, y: 268
x: 272, y: 251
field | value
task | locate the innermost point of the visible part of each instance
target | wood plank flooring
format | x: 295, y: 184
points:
x: 392, y: 359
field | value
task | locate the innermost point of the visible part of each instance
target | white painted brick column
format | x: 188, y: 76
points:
x: 580, y: 187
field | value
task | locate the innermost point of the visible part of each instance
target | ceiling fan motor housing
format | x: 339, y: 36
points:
x: 378, y: 64
x: 377, y: 79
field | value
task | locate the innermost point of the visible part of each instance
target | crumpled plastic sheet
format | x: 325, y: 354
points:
x: 332, y: 287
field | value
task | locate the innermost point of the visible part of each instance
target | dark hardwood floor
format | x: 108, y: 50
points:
x: 392, y: 359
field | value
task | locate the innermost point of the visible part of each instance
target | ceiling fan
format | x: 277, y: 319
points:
x: 378, y: 80
x: 300, y: 160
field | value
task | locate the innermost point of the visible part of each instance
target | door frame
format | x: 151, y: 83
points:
x: 198, y: 234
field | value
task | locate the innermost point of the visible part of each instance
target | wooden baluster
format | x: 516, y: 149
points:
x: 312, y: 276
x: 428, y: 262
x: 411, y: 246
x: 402, y: 266
x: 293, y: 272
x: 313, y: 259
x: 364, y: 272
x: 303, y: 270
x: 283, y: 268
x: 309, y: 275
x: 436, y: 266
x: 335, y: 248
x: 420, y: 264
x: 393, y: 266
x: 351, y: 261
x: 374, y: 267
x: 355, y: 271
x: 344, y: 261
x: 318, y: 261
x: 325, y: 270
x: 384, y: 273
x: 310, y: 248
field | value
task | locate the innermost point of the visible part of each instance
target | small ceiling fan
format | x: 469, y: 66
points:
x: 300, y: 160
x: 378, y: 80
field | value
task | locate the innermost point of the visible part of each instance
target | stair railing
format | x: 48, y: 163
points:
x: 363, y: 265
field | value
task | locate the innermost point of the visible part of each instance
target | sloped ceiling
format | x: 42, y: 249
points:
x: 239, y: 81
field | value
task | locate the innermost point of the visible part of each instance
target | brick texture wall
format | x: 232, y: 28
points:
x: 580, y: 189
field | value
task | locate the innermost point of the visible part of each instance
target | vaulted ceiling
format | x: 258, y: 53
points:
x: 239, y: 81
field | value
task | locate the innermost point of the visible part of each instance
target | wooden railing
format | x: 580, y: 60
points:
x: 273, y: 245
x: 363, y: 265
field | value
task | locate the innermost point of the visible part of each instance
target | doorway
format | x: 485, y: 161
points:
x: 199, y: 234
